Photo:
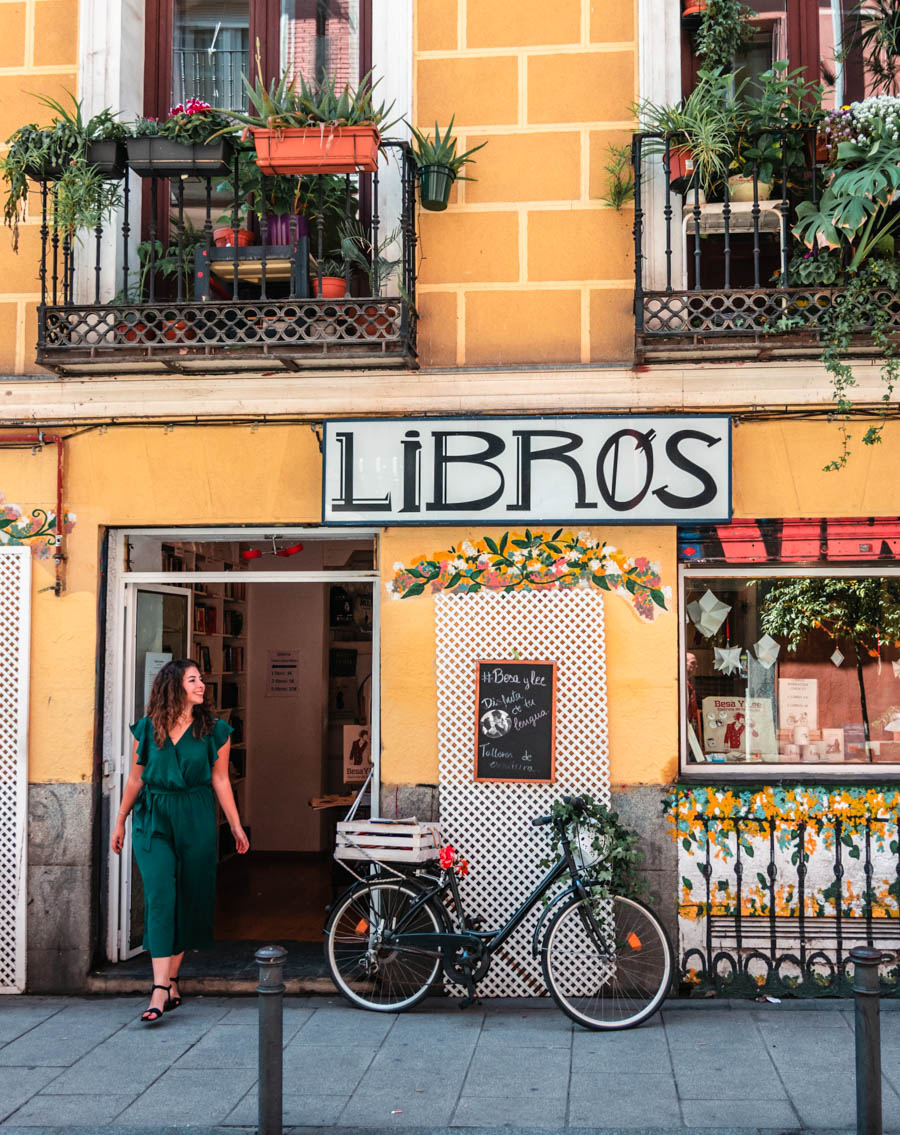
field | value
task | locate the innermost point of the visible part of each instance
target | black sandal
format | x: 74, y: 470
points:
x: 151, y: 1016
x: 173, y: 1002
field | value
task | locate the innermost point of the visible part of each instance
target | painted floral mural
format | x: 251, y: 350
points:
x: 829, y: 855
x: 534, y: 561
x: 38, y: 530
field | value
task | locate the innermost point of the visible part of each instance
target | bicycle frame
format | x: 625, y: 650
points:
x: 484, y: 943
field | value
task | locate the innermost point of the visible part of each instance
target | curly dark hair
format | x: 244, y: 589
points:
x: 167, y: 699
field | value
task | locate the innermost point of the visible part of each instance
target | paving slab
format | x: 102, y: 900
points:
x: 481, y: 1111
x: 391, y: 1108
x: 90, y: 1111
x: 759, y: 1113
x: 542, y: 1073
x: 189, y: 1096
x: 316, y: 1110
x: 18, y: 1085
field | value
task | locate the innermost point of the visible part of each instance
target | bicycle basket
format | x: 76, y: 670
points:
x: 581, y: 839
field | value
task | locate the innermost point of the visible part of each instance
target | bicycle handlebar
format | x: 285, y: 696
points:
x: 575, y: 803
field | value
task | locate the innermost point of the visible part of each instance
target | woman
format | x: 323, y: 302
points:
x: 179, y: 759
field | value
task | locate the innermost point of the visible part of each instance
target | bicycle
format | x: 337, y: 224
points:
x: 606, y: 959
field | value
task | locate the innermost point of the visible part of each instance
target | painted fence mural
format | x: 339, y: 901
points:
x: 778, y: 883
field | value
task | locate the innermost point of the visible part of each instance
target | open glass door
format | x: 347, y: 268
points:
x: 157, y: 630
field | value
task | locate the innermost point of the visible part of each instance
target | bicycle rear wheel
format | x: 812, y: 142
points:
x: 607, y: 961
x: 369, y: 973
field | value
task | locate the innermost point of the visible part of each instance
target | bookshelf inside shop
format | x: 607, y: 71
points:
x: 219, y: 645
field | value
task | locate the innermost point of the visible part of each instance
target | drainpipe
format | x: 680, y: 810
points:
x: 15, y: 441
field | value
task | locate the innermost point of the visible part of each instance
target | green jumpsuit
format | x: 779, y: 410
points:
x: 174, y: 838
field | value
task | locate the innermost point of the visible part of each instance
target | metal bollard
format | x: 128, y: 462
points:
x: 270, y: 960
x: 867, y: 990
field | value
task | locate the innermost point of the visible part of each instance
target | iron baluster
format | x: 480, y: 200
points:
x: 754, y: 213
x: 814, y: 187
x: 696, y: 216
x: 726, y: 223
x: 638, y: 234
x: 98, y: 235
x: 264, y: 240
x: 707, y: 875
x: 772, y: 872
x: 320, y: 234
x: 180, y: 196
x: 667, y: 213
x: 839, y: 900
x: 801, y: 892
x: 376, y: 221
x: 67, y: 268
x: 868, y: 868
x: 235, y: 221
x: 151, y: 232
x: 207, y: 220
x: 126, y: 232
x: 45, y: 232
x: 55, y: 245
x: 347, y: 199
x: 785, y: 210
x: 739, y: 882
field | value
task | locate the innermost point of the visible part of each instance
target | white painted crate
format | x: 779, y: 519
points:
x: 396, y: 841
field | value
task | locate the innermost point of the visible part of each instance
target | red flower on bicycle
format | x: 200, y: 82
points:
x: 451, y: 861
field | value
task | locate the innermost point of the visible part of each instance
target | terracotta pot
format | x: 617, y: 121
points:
x: 741, y: 189
x: 306, y: 149
x: 333, y: 287
x: 129, y: 331
x: 224, y: 238
x: 376, y: 322
x: 693, y: 7
x: 681, y: 162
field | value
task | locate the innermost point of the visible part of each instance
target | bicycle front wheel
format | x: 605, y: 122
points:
x: 607, y: 961
x: 369, y: 972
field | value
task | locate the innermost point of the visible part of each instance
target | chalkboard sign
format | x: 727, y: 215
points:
x: 516, y: 721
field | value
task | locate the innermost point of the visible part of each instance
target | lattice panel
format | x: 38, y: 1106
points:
x: 491, y: 823
x: 15, y: 591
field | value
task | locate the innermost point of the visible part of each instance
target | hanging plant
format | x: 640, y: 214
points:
x: 725, y: 30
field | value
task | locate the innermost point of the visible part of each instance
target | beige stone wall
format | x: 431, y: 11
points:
x: 527, y: 265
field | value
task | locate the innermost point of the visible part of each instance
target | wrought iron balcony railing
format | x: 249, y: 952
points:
x: 175, y: 302
x: 715, y: 276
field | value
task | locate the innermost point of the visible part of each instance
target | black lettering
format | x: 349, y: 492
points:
x: 643, y: 445
x: 680, y: 461
x: 493, y: 447
x: 560, y: 453
x: 346, y: 502
x: 412, y: 471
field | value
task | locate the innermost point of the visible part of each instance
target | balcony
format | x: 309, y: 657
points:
x: 724, y: 277
x: 176, y: 302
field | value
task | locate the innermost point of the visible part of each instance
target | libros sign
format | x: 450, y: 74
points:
x: 627, y: 469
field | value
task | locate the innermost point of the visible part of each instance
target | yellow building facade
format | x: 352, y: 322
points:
x: 525, y: 304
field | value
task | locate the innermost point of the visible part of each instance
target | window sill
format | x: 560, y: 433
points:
x: 715, y: 772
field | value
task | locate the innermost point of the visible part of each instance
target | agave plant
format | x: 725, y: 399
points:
x: 441, y: 151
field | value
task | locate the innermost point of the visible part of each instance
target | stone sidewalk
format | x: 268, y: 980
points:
x: 732, y: 1067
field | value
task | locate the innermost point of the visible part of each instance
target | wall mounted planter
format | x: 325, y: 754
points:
x: 108, y: 157
x: 435, y: 183
x: 161, y: 157
x: 307, y: 149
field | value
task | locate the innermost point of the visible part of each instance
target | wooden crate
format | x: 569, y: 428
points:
x: 397, y: 841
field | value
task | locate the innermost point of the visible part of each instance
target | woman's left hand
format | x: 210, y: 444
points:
x: 240, y: 839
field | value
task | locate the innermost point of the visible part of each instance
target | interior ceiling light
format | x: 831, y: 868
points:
x: 258, y: 553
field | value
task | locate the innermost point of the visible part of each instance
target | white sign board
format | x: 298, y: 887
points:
x: 154, y: 661
x: 283, y: 673
x: 576, y: 470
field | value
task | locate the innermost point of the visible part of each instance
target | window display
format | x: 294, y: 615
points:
x: 783, y: 668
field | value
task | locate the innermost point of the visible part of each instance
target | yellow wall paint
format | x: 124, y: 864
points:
x: 641, y: 664
x: 136, y: 476
x: 548, y: 91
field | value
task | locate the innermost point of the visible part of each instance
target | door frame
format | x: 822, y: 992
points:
x: 118, y: 644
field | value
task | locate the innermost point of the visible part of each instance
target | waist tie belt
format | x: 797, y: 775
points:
x: 145, y: 808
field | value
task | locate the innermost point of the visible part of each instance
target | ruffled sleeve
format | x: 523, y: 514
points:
x: 142, y: 731
x: 220, y: 734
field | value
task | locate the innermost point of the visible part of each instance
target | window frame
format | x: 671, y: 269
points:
x: 766, y: 772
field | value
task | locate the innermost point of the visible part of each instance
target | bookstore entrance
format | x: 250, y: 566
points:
x: 283, y: 626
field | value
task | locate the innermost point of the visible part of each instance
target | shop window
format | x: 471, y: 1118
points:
x: 791, y: 666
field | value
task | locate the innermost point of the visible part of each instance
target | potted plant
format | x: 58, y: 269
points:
x: 314, y: 128
x: 438, y: 165
x: 177, y: 259
x: 725, y: 30
x: 697, y: 130
x: 373, y: 260
x: 192, y: 142
x: 88, y: 153
x: 331, y: 273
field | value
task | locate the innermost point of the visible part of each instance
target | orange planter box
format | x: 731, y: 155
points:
x: 307, y: 149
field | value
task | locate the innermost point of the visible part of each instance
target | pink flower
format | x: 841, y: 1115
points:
x: 446, y: 857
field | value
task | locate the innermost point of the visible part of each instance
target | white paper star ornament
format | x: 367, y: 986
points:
x: 767, y: 651
x: 837, y: 658
x: 728, y: 659
x: 707, y: 613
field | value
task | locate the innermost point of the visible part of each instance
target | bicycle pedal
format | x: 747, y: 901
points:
x: 468, y: 1002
